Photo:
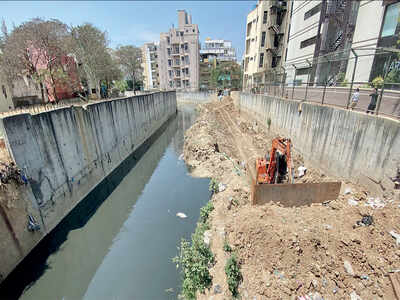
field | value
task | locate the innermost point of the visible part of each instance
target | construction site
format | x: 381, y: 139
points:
x: 335, y: 239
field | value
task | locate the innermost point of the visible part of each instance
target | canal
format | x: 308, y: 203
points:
x: 120, y: 241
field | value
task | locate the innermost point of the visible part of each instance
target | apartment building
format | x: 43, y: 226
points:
x: 267, y: 28
x: 326, y: 35
x: 221, y: 50
x: 218, y: 54
x: 151, y: 76
x: 178, y: 54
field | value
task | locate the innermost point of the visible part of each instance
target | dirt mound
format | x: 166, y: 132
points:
x: 288, y: 252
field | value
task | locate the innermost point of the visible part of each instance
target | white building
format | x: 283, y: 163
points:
x: 219, y: 49
x: 151, y: 77
x: 325, y: 41
x: 266, y: 42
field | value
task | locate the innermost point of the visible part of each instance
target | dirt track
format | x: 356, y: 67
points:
x: 288, y: 252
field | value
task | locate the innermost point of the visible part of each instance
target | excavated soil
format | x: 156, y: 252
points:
x: 288, y: 252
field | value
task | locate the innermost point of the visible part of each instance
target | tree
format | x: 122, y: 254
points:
x: 35, y: 49
x: 96, y: 64
x: 129, y: 57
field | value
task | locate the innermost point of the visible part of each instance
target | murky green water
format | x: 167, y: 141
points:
x: 119, y: 243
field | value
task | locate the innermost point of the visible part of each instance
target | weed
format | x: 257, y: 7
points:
x: 226, y: 247
x: 205, y: 211
x: 269, y: 123
x: 233, y: 275
x: 213, y: 186
x: 196, y: 258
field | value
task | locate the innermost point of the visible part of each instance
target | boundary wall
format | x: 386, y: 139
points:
x: 362, y: 148
x: 65, y: 153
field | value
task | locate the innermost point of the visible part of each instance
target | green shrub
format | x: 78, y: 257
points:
x: 269, y: 122
x: 377, y: 82
x: 233, y: 275
x: 227, y: 247
x: 213, y: 186
x: 205, y: 211
x: 196, y: 258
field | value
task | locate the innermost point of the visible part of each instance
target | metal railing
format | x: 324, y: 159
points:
x: 338, y: 84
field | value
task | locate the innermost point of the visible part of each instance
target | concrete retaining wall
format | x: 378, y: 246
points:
x: 360, y: 147
x: 196, y: 97
x: 65, y: 153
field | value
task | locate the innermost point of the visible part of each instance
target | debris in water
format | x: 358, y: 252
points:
x: 181, y: 215
x: 302, y: 171
x: 395, y: 235
x: 181, y: 157
x: 170, y: 290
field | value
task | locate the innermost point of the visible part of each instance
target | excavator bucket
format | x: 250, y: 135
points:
x: 296, y: 194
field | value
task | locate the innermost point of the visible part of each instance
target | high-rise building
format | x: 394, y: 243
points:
x: 150, y: 63
x: 179, y: 55
x: 267, y: 28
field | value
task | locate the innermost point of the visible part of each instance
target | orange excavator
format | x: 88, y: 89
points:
x: 278, y: 167
x: 275, y: 180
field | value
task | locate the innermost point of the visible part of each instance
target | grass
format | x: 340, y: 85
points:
x: 213, y: 186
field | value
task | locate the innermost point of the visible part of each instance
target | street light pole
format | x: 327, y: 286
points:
x: 352, y: 77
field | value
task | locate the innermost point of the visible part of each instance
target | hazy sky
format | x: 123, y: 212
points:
x: 136, y: 22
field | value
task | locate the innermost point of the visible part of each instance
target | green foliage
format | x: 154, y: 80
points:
x: 341, y: 77
x: 269, y: 122
x: 213, y: 186
x: 393, y: 76
x: 121, y: 85
x: 205, y: 211
x: 227, y: 247
x: 377, y: 82
x: 195, y: 259
x: 233, y: 275
x: 344, y: 83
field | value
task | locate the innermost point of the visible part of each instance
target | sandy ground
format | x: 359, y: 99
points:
x: 288, y: 252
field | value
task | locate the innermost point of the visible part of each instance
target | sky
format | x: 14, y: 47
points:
x: 137, y: 22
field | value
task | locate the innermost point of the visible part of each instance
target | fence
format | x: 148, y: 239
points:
x: 332, y: 80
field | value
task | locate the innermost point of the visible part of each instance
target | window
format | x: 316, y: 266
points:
x: 169, y: 62
x: 186, y: 46
x: 170, y: 73
x: 274, y: 62
x: 4, y: 91
x: 265, y: 17
x: 168, y: 40
x: 261, y: 64
x: 248, y: 29
x: 316, y: 9
x: 194, y: 30
x: 177, y: 33
x: 181, y: 33
x: 178, y: 73
x: 302, y: 71
x: 177, y: 62
x: 263, y: 39
x: 391, y: 20
x: 308, y: 42
x: 169, y: 51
